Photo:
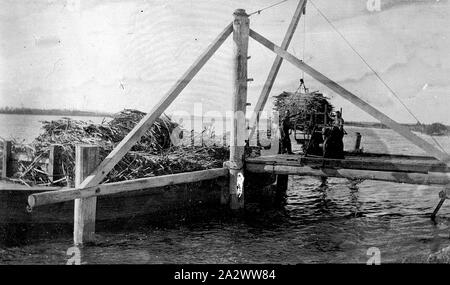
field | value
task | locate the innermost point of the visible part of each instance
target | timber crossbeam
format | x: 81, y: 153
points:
x: 413, y: 164
x: 62, y: 195
x: 436, y: 178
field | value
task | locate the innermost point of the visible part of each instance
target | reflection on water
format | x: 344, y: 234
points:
x: 337, y: 222
x: 317, y: 224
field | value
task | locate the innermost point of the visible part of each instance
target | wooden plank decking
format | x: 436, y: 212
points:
x: 369, y: 161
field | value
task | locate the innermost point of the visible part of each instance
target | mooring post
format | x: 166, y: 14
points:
x: 358, y: 142
x: 7, y: 168
x: 54, y: 166
x: 442, y: 197
x: 87, y: 158
x: 238, y: 126
x: 282, y: 180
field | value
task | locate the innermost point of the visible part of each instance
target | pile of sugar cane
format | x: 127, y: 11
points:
x: 301, y: 106
x: 153, y: 155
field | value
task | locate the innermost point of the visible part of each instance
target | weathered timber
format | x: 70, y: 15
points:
x: 390, y: 156
x: 238, y: 132
x: 357, y: 142
x: 432, y: 178
x: 139, y: 130
x: 52, y: 197
x: 6, y: 159
x: 401, y: 164
x: 54, y: 168
x: 86, y: 160
x: 384, y: 119
x: 151, y: 203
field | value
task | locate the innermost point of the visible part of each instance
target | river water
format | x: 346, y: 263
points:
x: 338, y: 223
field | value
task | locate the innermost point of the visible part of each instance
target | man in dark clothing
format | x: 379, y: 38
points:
x: 333, y: 146
x: 285, y: 131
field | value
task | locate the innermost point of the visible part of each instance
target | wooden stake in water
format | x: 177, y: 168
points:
x: 358, y: 142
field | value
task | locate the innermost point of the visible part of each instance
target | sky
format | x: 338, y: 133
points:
x: 113, y: 54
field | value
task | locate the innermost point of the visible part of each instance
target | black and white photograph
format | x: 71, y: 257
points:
x: 250, y: 133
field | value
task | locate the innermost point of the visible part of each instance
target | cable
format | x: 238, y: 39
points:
x: 268, y: 7
x: 304, y: 43
x: 367, y: 64
x: 440, y: 146
x: 374, y: 72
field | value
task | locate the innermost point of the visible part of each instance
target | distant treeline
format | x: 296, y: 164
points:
x: 436, y: 129
x: 55, y: 112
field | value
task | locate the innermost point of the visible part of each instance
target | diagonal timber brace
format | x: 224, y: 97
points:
x: 275, y: 67
x: 403, y: 131
x: 139, y: 130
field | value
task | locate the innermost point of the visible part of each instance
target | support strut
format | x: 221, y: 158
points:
x: 443, y: 197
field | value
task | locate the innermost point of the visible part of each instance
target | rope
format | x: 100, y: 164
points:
x: 304, y: 43
x: 365, y: 62
x: 374, y: 72
x: 268, y: 7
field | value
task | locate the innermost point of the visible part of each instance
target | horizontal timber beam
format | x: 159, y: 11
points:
x: 432, y: 178
x: 384, y: 119
x: 383, y: 164
x: 389, y: 155
x: 52, y: 197
x: 139, y: 130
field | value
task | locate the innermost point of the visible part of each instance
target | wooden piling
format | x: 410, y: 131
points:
x: 238, y: 131
x: 358, y: 142
x: 6, y: 160
x: 55, y: 170
x: 87, y: 158
x: 282, y: 185
x: 282, y: 179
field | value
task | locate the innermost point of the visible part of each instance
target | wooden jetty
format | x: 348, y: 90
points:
x: 90, y: 172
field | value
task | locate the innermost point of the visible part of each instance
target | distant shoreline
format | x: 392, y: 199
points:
x: 431, y: 129
x: 52, y: 112
x: 436, y: 129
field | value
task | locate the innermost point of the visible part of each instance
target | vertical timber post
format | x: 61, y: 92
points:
x: 358, y: 142
x: 54, y: 166
x: 258, y: 141
x: 87, y: 158
x: 7, y: 167
x: 238, y: 132
x: 282, y: 180
x: 203, y: 130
